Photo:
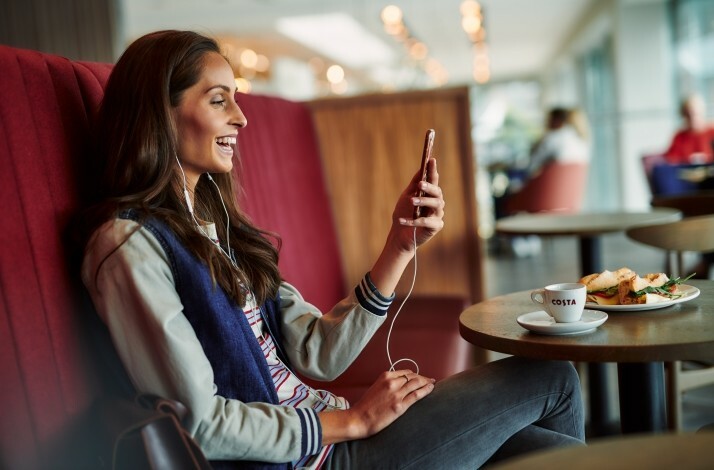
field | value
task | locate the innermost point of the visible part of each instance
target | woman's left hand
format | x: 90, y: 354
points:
x: 431, y: 219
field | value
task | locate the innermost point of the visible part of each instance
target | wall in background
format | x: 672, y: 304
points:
x: 77, y: 29
x: 371, y: 147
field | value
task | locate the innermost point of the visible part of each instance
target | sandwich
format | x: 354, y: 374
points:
x: 648, y: 289
x: 625, y: 287
x: 603, y: 288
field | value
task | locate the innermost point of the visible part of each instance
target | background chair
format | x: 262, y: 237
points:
x: 689, y: 234
x: 690, y: 204
x: 559, y: 187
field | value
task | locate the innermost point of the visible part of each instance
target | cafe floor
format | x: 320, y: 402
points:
x: 529, y: 263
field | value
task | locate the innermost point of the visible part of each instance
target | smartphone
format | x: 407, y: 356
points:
x: 425, y: 156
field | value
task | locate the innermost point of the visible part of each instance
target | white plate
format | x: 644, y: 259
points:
x: 688, y: 293
x: 541, y: 322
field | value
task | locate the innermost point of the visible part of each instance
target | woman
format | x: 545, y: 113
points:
x: 192, y: 296
x: 565, y: 140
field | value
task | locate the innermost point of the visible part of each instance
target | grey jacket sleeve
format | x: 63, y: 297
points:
x: 323, y: 346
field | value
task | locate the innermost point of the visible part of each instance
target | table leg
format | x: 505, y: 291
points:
x: 602, y: 421
x: 590, y: 255
x: 601, y: 409
x: 642, y: 397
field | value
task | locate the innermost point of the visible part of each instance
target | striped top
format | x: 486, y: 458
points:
x: 291, y: 390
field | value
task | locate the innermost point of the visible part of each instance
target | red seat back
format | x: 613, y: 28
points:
x: 559, y: 187
x: 285, y: 192
x: 45, y: 378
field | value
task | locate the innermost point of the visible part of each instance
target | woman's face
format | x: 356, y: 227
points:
x: 207, y: 121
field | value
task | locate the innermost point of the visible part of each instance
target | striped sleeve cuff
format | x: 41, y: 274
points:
x: 370, y: 298
x: 311, y: 431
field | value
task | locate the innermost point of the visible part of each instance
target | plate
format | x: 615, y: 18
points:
x: 688, y: 293
x: 541, y: 322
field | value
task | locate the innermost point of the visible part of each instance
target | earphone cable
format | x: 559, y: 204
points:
x: 394, y: 319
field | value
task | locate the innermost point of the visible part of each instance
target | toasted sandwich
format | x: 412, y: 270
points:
x: 603, y: 288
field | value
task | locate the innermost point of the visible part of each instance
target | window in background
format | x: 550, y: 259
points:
x: 694, y: 42
x: 598, y: 88
x: 506, y: 118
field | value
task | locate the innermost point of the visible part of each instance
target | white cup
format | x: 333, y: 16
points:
x: 564, y: 302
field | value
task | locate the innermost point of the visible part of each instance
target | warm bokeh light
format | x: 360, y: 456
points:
x: 248, y: 58
x: 243, y: 85
x: 262, y: 63
x: 391, y: 14
x: 335, y: 74
x: 470, y: 8
x: 471, y: 24
x: 418, y: 50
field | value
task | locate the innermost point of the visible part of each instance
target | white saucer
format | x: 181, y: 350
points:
x: 541, y: 322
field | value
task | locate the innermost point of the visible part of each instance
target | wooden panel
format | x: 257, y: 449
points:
x: 371, y: 147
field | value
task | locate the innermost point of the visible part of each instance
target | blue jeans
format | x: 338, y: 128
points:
x: 489, y: 413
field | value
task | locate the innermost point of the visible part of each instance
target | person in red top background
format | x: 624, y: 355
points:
x: 693, y: 143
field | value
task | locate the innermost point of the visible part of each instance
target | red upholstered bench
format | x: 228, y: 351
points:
x: 49, y: 377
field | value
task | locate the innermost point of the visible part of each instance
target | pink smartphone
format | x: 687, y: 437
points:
x: 425, y: 156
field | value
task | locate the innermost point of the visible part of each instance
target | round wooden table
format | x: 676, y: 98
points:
x: 587, y: 227
x: 681, y: 451
x: 638, y: 341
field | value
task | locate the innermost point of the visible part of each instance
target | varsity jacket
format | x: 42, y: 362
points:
x: 180, y: 336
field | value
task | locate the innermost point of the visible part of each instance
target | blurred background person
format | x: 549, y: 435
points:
x: 566, y: 140
x: 693, y: 143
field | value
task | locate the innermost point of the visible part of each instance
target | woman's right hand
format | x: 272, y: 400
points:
x: 385, y: 401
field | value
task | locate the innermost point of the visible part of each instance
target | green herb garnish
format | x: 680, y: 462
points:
x: 664, y: 289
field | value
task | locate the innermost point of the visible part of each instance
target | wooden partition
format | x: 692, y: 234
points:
x: 371, y: 147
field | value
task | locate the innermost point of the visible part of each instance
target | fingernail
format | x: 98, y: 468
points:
x: 403, y: 221
x: 416, y: 200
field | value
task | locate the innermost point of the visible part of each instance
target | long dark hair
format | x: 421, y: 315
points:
x: 136, y: 145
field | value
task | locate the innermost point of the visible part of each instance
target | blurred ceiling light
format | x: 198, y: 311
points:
x: 470, y: 8
x: 337, y: 36
x: 243, y: 85
x: 248, y: 58
x: 418, y: 50
x: 335, y: 74
x: 394, y: 25
x: 472, y: 22
x: 391, y: 14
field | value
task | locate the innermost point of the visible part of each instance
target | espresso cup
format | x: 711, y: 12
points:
x: 564, y: 302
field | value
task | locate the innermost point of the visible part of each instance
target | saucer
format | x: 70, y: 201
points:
x: 541, y: 322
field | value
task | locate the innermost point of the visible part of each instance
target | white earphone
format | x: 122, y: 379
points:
x: 189, y: 205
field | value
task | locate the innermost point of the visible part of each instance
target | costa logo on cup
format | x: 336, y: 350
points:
x: 564, y: 302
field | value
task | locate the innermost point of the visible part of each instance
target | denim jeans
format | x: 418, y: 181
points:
x: 489, y: 413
